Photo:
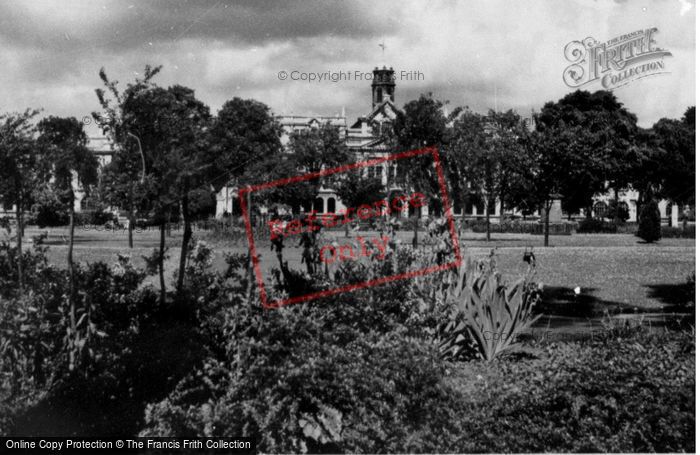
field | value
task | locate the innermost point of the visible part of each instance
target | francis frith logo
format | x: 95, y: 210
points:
x: 615, y: 62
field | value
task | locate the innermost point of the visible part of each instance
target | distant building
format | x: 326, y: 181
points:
x: 363, y: 139
x: 102, y: 149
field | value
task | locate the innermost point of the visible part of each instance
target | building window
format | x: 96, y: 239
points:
x: 480, y: 206
x: 318, y: 205
x: 492, y: 207
x: 374, y: 172
x: 600, y: 209
x: 331, y: 205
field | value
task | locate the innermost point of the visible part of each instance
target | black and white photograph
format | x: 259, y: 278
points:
x: 363, y: 226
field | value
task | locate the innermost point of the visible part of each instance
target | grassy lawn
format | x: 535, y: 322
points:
x: 614, y: 271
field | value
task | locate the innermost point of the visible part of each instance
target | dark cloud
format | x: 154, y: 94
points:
x: 118, y: 25
x: 480, y: 53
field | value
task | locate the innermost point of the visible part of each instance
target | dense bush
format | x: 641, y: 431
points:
x: 516, y: 227
x: 50, y: 215
x: 348, y: 373
x: 681, y: 232
x: 618, y: 212
x: 634, y: 393
x: 650, y: 222
x: 596, y: 226
x: 125, y: 349
x: 101, y: 217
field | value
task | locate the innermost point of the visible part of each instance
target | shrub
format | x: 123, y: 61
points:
x: 516, y: 227
x: 49, y: 211
x: 122, y: 345
x: 596, y: 226
x: 650, y: 222
x: 632, y: 393
x: 35, y: 264
x: 335, y: 374
x: 101, y: 217
x: 617, y: 212
x: 682, y: 232
x: 300, y: 391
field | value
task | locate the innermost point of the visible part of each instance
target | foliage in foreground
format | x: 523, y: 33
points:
x: 360, y: 372
x: 633, y: 393
x: 126, y: 347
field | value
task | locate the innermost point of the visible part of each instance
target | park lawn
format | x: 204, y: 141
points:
x: 614, y: 271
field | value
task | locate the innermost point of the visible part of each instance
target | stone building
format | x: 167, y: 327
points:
x: 361, y: 138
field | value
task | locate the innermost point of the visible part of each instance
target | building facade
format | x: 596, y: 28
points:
x: 363, y: 138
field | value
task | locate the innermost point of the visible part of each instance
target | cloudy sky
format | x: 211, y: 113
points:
x: 482, y: 54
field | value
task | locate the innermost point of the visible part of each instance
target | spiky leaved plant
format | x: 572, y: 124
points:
x: 486, y: 311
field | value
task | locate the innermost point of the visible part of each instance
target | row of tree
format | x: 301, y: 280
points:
x: 583, y: 145
x: 171, y: 155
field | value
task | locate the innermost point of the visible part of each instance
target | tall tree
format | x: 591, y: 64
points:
x: 553, y: 153
x: 608, y: 132
x: 123, y: 180
x: 486, y: 157
x: 171, y: 125
x: 422, y: 123
x: 509, y: 138
x: 357, y: 189
x: 244, y: 137
x: 73, y: 166
x: 20, y: 170
x: 677, y: 167
x: 468, y: 168
x: 318, y: 148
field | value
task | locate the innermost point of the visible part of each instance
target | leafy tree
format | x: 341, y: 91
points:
x: 244, y: 137
x: 650, y: 222
x: 603, y: 158
x: 310, y: 151
x: 171, y: 125
x: 65, y: 142
x: 245, y: 145
x: 486, y: 158
x: 123, y: 180
x: 469, y: 160
x: 297, y: 194
x: 677, y: 164
x: 313, y: 150
x: 356, y: 189
x: 422, y: 123
x: 20, y: 169
x: 509, y: 138
x: 552, y: 152
x: 48, y: 209
x: 319, y: 148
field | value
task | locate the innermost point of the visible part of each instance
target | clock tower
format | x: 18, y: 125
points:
x: 383, y: 85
